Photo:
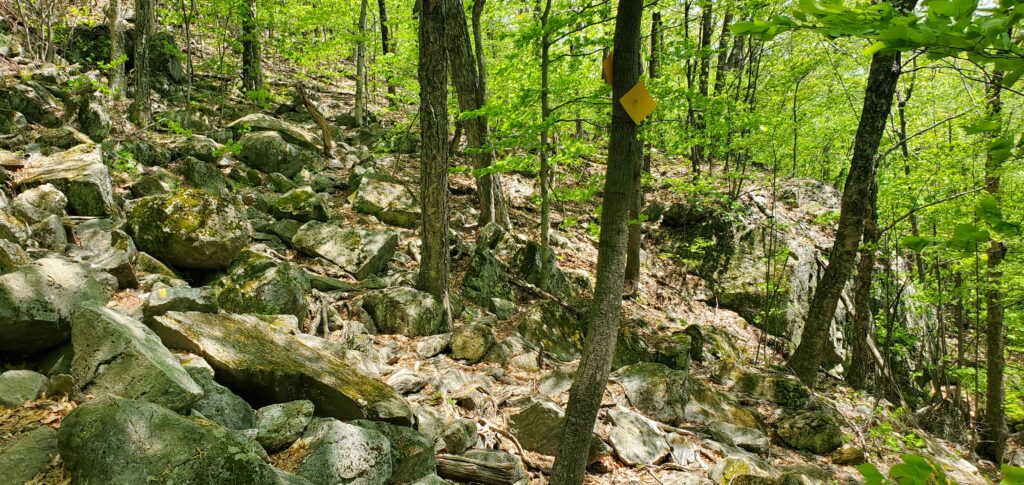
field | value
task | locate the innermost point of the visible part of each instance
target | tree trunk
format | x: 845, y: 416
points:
x: 882, y: 77
x: 145, y: 25
x: 433, y: 113
x: 252, y: 70
x: 360, y: 106
x: 723, y: 53
x: 471, y: 98
x: 117, y: 54
x: 385, y: 42
x: 861, y: 361
x: 545, y: 143
x: 624, y: 156
x: 697, y: 117
x: 994, y: 430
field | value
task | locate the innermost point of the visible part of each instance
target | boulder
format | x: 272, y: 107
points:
x: 79, y: 173
x: 407, y: 381
x: 412, y: 453
x: 389, y: 202
x: 258, y: 284
x: 301, y: 204
x: 37, y: 105
x: 539, y: 266
x: 49, y: 234
x: 341, y: 453
x: 53, y: 140
x: 538, y: 427
x: 814, y: 431
x: 199, y: 147
x: 93, y: 120
x: 635, y: 439
x: 655, y: 390
x: 268, y: 152
x: 848, y: 455
x: 189, y: 228
x: 487, y: 278
x: 749, y: 439
x: 111, y: 250
x: 27, y: 455
x: 708, y: 405
x: 38, y: 300
x: 359, y: 252
x: 202, y: 175
x: 459, y: 435
x: 279, y: 425
x: 121, y: 441
x: 640, y: 341
x: 12, y: 228
x: 267, y: 365
x: 470, y: 342
x: 12, y: 123
x: 146, y: 186
x: 218, y: 403
x: 116, y: 355
x: 259, y: 122
x: 547, y: 324
x: 784, y: 390
x: 18, y: 386
x: 11, y: 256
x: 404, y: 311
x: 163, y: 298
x: 35, y: 204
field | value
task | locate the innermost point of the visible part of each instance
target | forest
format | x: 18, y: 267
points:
x: 519, y: 241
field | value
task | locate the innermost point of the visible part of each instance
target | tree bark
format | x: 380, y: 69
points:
x: 145, y: 25
x: 696, y: 116
x: 545, y: 142
x: 624, y: 167
x: 433, y: 114
x: 252, y: 70
x: 881, y: 85
x: 117, y: 54
x: 723, y: 53
x: 385, y: 42
x: 861, y: 361
x: 360, y: 106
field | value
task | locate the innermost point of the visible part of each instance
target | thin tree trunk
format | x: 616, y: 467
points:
x: 901, y: 111
x: 861, y: 361
x: 360, y: 107
x: 723, y: 53
x: 697, y: 116
x: 145, y: 25
x: 433, y: 113
x: 385, y: 43
x: 881, y: 85
x: 252, y: 69
x: 117, y: 54
x: 624, y: 167
x: 545, y: 142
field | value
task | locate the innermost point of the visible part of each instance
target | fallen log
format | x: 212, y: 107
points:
x: 468, y: 470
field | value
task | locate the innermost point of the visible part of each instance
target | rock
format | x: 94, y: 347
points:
x: 37, y: 105
x: 218, y: 403
x: 301, y: 204
x: 538, y: 427
x: 110, y: 250
x: 13, y: 229
x: 635, y: 439
x: 199, y: 147
x: 118, y: 356
x: 189, y: 228
x: 786, y: 391
x: 471, y: 342
x: 260, y: 285
x: 547, y: 324
x: 404, y: 311
x: 12, y: 123
x: 11, y: 256
x: 245, y: 351
x: 27, y: 455
x: 37, y: 203
x: 18, y: 386
x: 38, y: 300
x: 655, y: 390
x: 49, y: 233
x: 79, y: 173
x: 127, y: 441
x: 498, y: 457
x: 749, y: 439
x: 640, y: 341
x: 530, y: 264
x: 432, y: 345
x: 146, y: 186
x: 60, y: 385
x: 742, y: 469
x: 459, y: 435
x: 848, y: 455
x: 486, y: 278
x: 268, y: 152
x: 279, y: 425
x: 431, y: 480
x: 163, y: 299
x: 202, y: 175
x: 362, y: 253
x: 61, y: 138
x: 814, y: 431
x: 412, y: 453
x: 407, y: 381
x: 259, y: 122
x: 344, y: 453
x: 707, y: 405
x: 683, y: 478
x: 93, y: 120
x: 389, y: 202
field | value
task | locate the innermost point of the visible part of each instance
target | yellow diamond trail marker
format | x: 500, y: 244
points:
x: 606, y: 68
x: 638, y: 102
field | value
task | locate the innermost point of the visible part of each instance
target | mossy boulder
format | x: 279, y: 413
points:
x: 199, y: 147
x: 360, y: 252
x: 120, y: 441
x: 202, y: 175
x: 389, y: 202
x: 279, y: 425
x: 486, y: 278
x: 301, y: 204
x: 291, y: 133
x: 189, y: 228
x: 28, y: 455
x: 38, y: 300
x: 38, y: 105
x: 20, y: 385
x: 707, y: 405
x: 412, y: 453
x: 340, y: 453
x: 80, y: 174
x: 814, y: 431
x: 268, y: 152
x: 404, y: 311
x: 218, y: 403
x: 538, y: 427
x: 553, y: 327
x: 261, y: 285
x: 470, y: 342
x: 538, y: 265
x: 639, y: 341
x: 784, y: 390
x: 267, y: 365
x: 93, y: 119
x: 656, y: 390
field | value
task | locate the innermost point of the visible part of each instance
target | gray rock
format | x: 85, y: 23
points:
x: 470, y: 342
x: 486, y: 278
x: 538, y: 427
x: 635, y: 439
x: 146, y: 186
x: 749, y: 439
x: 49, y: 233
x: 118, y: 356
x: 407, y: 381
x: 707, y: 405
x: 80, y: 174
x: 403, y: 311
x: 12, y: 228
x: 202, y: 175
x: 743, y: 469
x: 547, y: 324
x: 163, y: 298
x: 301, y: 204
x: 279, y: 425
x: 37, y: 302
x: 258, y: 122
x: 11, y: 256
x: 518, y: 473
x: 119, y: 441
x: 189, y: 228
x: 342, y: 453
x: 459, y: 435
x: 655, y: 390
x: 110, y: 250
x: 786, y: 391
x: 36, y: 203
x: 27, y: 456
x: 12, y: 123
x: 539, y: 266
x: 268, y: 152
x: 412, y: 453
x: 431, y: 480
x: 245, y: 349
x: 389, y: 202
x: 93, y: 120
x: 218, y: 403
x: 18, y: 386
x: 814, y: 431
x: 37, y: 105
x: 432, y: 345
x: 361, y: 253
x: 260, y: 285
x: 200, y: 147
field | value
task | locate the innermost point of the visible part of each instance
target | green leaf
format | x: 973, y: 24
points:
x: 873, y: 48
x: 1012, y: 475
x: 917, y: 243
x: 981, y: 126
x: 871, y: 474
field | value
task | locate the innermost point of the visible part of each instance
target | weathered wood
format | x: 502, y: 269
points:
x: 468, y: 470
x: 325, y: 128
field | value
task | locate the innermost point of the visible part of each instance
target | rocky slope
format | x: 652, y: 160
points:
x: 214, y: 301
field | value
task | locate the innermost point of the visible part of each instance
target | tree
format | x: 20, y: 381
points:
x: 145, y: 26
x: 433, y: 113
x: 385, y: 42
x: 360, y: 106
x: 624, y: 167
x: 252, y: 71
x: 861, y: 361
x: 117, y: 55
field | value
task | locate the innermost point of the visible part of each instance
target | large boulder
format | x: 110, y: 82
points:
x: 268, y: 152
x: 340, y: 453
x: 636, y: 440
x: 27, y: 456
x: 470, y: 342
x: 259, y: 122
x: 38, y: 300
x: 707, y: 405
x: 268, y: 365
x: 37, y: 105
x: 189, y: 228
x: 279, y: 425
x: 79, y: 173
x: 111, y: 250
x: 549, y: 325
x: 389, y: 202
x: 121, y: 441
x: 809, y: 430
x: 412, y: 453
x: 18, y: 386
x: 116, y: 355
x: 404, y: 311
x: 359, y: 252
x: 93, y: 119
x: 218, y: 403
x: 486, y: 278
x: 301, y: 204
x: 657, y: 391
x: 538, y: 427
x: 261, y: 285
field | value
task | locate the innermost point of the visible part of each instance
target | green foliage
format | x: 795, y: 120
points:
x: 914, y: 470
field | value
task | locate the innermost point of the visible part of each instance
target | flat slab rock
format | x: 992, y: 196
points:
x: 359, y: 252
x: 79, y: 173
x: 268, y: 365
